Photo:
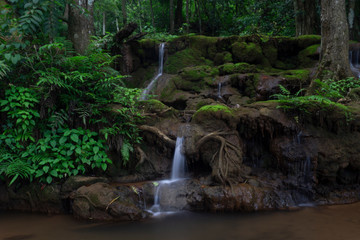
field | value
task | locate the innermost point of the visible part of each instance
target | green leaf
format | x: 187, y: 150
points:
x: 49, y: 179
x: 53, y: 143
x: 104, y: 166
x: 62, y: 140
x: 96, y: 149
x: 78, y: 150
x: 54, y: 173
x: 74, y: 137
x: 46, y: 169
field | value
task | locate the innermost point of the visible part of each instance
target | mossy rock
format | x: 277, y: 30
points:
x: 140, y: 76
x: 197, y: 103
x: 247, y: 52
x: 309, y: 56
x: 155, y: 106
x: 177, y: 44
x: 186, y: 85
x: 225, y: 43
x: 206, y: 45
x: 245, y: 83
x: 198, y: 73
x: 215, y: 117
x: 185, y: 58
x: 305, y: 41
x: 231, y: 68
x: 300, y: 75
x: 223, y: 57
x: 284, y: 65
x: 271, y: 53
x: 354, y: 94
x: 149, y: 43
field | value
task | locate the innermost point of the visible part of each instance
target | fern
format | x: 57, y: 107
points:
x: 126, y: 148
x: 14, y: 167
x: 4, y: 69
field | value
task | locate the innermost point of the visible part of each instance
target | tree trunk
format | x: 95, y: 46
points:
x: 152, y: 14
x: 140, y: 16
x: 197, y: 6
x: 117, y: 25
x: 305, y: 17
x: 334, y: 62
x: 353, y: 18
x: 123, y: 10
x: 81, y: 25
x: 171, y: 9
x: 104, y: 24
x: 178, y: 14
x: 187, y: 16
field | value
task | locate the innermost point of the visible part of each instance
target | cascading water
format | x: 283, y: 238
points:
x: 149, y: 87
x: 219, y: 90
x: 177, y: 174
x: 354, y: 62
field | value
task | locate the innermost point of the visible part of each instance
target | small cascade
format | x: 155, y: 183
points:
x: 219, y: 90
x: 354, y: 56
x: 178, y: 173
x: 159, y: 74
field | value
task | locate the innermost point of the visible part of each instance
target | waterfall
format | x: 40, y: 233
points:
x: 177, y: 174
x: 354, y: 62
x: 159, y: 74
x: 219, y: 90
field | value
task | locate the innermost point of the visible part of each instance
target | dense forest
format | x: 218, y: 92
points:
x: 59, y: 86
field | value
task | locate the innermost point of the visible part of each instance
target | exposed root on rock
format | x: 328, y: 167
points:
x: 168, y: 141
x: 226, y: 163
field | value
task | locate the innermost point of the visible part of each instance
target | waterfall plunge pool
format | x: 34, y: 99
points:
x: 320, y: 223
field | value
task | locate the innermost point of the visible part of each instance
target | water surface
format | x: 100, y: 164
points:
x: 320, y: 223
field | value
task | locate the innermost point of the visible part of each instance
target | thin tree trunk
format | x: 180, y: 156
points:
x: 187, y: 16
x: 117, y: 24
x: 351, y: 18
x: 104, y: 24
x: 152, y: 14
x: 171, y: 9
x: 178, y: 14
x: 140, y: 18
x: 334, y: 62
x: 305, y: 17
x: 197, y: 6
x: 123, y: 9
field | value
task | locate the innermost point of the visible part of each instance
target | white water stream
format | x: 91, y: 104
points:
x: 144, y: 94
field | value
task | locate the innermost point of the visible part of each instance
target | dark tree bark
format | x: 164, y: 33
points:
x: 171, y: 9
x: 197, y: 6
x: 152, y: 14
x: 81, y: 24
x: 334, y: 62
x: 123, y: 10
x: 354, y: 18
x: 187, y: 16
x: 305, y: 17
x: 178, y: 14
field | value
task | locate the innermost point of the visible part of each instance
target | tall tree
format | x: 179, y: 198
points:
x: 334, y: 62
x: 187, y: 16
x: 178, y: 14
x: 305, y: 16
x: 152, y: 14
x: 171, y: 9
x: 81, y: 24
x: 123, y: 10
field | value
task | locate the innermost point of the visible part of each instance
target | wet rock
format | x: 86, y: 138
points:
x: 75, y: 182
x: 102, y: 202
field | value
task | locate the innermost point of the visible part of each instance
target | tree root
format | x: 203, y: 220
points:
x: 168, y: 141
x: 223, y: 164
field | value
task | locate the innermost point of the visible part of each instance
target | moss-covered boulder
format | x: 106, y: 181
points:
x: 270, y: 52
x: 309, y: 56
x: 223, y: 57
x: 185, y: 58
x: 305, y: 41
x: 198, y: 73
x: 247, y: 52
x: 231, y: 68
x: 215, y: 117
x: 245, y: 83
x: 206, y: 45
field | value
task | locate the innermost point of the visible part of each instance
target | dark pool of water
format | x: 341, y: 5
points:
x: 320, y: 223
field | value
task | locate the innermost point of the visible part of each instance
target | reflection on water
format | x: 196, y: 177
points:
x: 328, y: 223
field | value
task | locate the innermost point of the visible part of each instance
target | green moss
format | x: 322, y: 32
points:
x: 154, y: 105
x: 182, y: 59
x: 247, y: 52
x: 214, y: 108
x: 149, y: 43
x: 230, y: 68
x: 206, y: 45
x: 308, y: 56
x: 198, y: 73
x: 223, y: 57
x: 186, y: 85
x: 301, y: 75
x: 168, y: 91
x: 202, y: 103
x: 215, y: 116
x: 307, y: 40
x: 271, y: 53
